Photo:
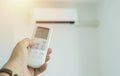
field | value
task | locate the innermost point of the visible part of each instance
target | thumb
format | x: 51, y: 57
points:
x: 24, y: 43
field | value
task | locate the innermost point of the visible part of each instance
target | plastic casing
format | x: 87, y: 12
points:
x: 36, y: 63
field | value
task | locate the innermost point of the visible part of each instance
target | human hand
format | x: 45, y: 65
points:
x: 18, y: 60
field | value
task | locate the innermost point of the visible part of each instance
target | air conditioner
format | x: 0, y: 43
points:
x: 55, y: 16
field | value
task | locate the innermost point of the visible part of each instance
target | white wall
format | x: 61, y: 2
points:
x: 74, y: 48
x: 73, y: 52
x: 6, y: 38
x: 109, y: 37
x: 14, y: 26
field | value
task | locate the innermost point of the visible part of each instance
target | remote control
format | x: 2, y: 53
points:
x: 38, y: 52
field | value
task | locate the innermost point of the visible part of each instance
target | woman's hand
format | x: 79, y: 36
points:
x: 18, y: 60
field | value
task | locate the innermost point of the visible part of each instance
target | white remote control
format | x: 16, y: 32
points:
x: 37, y: 53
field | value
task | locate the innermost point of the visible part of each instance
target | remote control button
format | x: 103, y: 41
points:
x: 43, y: 47
x: 44, y: 42
x: 37, y: 45
x: 31, y: 55
x: 41, y: 53
x: 29, y: 50
x: 34, y: 47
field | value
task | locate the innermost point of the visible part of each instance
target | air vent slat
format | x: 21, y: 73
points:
x: 56, y: 22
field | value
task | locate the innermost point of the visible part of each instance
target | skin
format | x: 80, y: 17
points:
x: 18, y: 60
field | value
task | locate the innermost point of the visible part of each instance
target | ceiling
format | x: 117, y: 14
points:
x: 75, y: 1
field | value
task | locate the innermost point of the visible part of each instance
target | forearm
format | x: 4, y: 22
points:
x: 4, y: 74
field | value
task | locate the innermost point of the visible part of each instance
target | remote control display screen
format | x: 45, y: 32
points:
x: 42, y: 32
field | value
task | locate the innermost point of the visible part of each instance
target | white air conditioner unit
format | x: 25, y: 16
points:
x: 55, y: 16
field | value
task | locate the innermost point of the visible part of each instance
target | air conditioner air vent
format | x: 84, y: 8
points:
x: 56, y: 22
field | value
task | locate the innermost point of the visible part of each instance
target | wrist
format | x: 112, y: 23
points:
x: 6, y: 72
x: 14, y: 67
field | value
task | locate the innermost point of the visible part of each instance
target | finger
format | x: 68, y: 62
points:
x: 24, y: 42
x: 49, y: 51
x: 32, y: 42
x: 41, y: 69
x: 47, y: 58
x: 48, y: 55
